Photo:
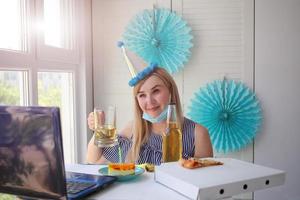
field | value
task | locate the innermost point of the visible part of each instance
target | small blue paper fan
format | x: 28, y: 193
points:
x: 230, y: 111
x: 159, y: 36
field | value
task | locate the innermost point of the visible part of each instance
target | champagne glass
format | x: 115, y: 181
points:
x: 105, y: 126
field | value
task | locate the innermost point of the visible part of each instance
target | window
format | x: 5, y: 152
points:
x: 56, y: 89
x: 39, y: 66
x: 13, y: 34
x: 13, y: 88
x: 58, y: 23
x: 56, y: 31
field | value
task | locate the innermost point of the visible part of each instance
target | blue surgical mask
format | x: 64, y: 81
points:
x: 162, y: 116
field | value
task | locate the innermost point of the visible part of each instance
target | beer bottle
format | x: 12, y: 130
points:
x: 172, y: 138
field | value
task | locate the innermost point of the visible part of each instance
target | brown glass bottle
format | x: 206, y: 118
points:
x: 172, y: 138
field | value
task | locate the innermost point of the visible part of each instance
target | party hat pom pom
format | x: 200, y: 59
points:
x: 120, y: 44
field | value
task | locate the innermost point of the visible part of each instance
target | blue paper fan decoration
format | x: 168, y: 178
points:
x: 230, y: 111
x: 159, y: 36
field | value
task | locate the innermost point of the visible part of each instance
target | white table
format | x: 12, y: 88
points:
x: 203, y: 183
x: 142, y: 187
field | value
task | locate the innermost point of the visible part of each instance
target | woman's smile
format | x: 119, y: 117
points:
x: 153, y: 111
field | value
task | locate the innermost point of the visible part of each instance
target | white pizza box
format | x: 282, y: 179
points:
x: 217, y: 182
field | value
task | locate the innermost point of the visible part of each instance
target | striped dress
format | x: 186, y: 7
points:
x: 151, y: 151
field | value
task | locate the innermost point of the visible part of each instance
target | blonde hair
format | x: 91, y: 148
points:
x: 141, y: 127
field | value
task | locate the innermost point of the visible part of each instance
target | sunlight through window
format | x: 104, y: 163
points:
x: 13, y: 25
x: 57, y: 23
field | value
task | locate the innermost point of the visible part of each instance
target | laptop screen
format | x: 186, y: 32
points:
x: 31, y: 155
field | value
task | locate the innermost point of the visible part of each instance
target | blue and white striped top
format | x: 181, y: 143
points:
x: 151, y: 151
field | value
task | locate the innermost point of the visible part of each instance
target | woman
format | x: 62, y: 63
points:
x: 141, y: 140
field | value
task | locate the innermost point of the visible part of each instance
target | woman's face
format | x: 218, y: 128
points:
x: 153, y: 96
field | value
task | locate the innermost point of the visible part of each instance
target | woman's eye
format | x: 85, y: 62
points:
x: 156, y: 91
x: 141, y: 95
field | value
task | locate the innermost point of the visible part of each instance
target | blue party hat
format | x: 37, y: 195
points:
x: 136, y: 76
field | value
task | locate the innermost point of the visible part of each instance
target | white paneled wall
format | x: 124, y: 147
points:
x: 223, y: 46
x: 219, y: 41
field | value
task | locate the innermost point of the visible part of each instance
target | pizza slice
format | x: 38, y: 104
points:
x: 193, y: 163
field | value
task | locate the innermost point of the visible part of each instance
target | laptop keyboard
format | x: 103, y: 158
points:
x: 74, y: 187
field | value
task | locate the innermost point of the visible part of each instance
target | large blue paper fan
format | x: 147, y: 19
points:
x: 230, y: 111
x: 159, y: 36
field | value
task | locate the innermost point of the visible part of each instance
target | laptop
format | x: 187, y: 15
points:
x: 31, y: 157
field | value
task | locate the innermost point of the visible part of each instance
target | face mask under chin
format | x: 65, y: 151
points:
x: 161, y: 117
